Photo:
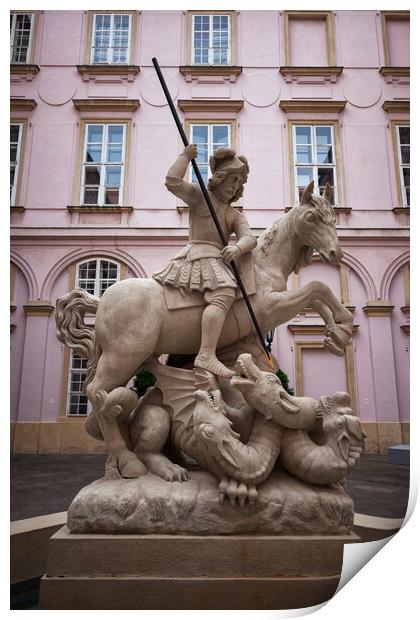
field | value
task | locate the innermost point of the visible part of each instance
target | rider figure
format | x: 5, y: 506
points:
x: 202, y: 264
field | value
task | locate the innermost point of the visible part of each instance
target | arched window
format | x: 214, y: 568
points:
x: 94, y: 276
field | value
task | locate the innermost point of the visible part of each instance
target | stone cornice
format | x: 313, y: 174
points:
x: 323, y: 71
x: 96, y: 209
x: 38, y: 307
x: 378, y: 308
x: 405, y: 329
x: 402, y: 105
x: 401, y: 210
x: 306, y: 329
x: 12, y: 308
x: 106, y: 105
x: 312, y: 105
x: 18, y: 69
x: 405, y: 310
x: 93, y: 70
x: 185, y: 208
x: 211, y: 105
x: 395, y: 71
x: 18, y: 104
x: 190, y: 71
x: 17, y: 209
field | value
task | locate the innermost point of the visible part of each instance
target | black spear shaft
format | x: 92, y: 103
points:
x: 211, y: 208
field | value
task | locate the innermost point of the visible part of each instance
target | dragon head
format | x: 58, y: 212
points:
x: 264, y: 392
x: 211, y: 426
x: 341, y: 429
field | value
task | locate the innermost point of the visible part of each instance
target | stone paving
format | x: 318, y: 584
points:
x: 43, y: 484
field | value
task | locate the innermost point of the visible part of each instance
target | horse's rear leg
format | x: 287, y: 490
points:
x: 112, y: 404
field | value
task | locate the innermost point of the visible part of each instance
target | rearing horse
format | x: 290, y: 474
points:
x: 133, y: 322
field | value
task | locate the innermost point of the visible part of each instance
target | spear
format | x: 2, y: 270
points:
x: 212, y: 210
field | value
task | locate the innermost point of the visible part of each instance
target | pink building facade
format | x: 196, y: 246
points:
x: 316, y: 95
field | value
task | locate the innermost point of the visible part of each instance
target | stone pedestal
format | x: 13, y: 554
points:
x: 100, y: 571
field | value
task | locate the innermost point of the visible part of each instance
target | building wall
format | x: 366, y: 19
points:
x: 48, y: 238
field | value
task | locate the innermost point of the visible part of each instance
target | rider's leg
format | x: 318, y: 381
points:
x: 214, y: 315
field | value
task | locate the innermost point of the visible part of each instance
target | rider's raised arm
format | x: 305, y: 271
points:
x: 190, y: 193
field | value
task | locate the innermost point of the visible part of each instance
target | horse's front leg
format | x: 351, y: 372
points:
x: 284, y: 306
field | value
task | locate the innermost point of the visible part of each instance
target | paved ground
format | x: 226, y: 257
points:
x: 43, y: 484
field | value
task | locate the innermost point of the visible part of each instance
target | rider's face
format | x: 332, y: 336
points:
x: 230, y: 186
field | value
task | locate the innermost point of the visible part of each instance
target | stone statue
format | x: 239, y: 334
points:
x: 201, y: 265
x: 226, y: 428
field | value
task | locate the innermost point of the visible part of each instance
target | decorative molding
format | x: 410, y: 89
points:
x: 293, y: 73
x: 405, y: 329
x: 91, y: 72
x: 378, y: 308
x: 401, y: 210
x: 395, y: 71
x: 311, y: 105
x: 38, y: 307
x: 16, y: 209
x: 311, y: 329
x: 405, y: 310
x: 185, y: 208
x: 230, y: 73
x: 402, y: 105
x: 18, y: 104
x: 97, y: 209
x: 25, y: 72
x: 211, y: 105
x: 106, y: 105
x: 337, y: 210
x: 326, y: 16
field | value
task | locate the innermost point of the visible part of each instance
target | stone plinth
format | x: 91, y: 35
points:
x: 97, y: 571
x: 150, y: 505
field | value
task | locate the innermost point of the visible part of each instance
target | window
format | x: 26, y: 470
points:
x: 314, y: 159
x: 96, y: 275
x: 77, y: 402
x: 309, y: 38
x: 111, y: 34
x: 396, y: 38
x: 103, y: 165
x: 208, y: 138
x: 403, y: 149
x: 211, y: 39
x: 16, y: 131
x: 21, y: 29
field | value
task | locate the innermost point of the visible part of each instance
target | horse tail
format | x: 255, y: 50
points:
x: 72, y: 330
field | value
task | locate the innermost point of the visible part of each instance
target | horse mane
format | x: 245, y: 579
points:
x: 305, y: 254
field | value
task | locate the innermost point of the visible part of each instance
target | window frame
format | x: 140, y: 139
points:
x: 402, y: 198
x: 211, y: 32
x: 70, y: 392
x: 132, y: 38
x: 390, y: 16
x: 310, y: 15
x: 97, y: 284
x: 336, y: 137
x: 31, y: 45
x: 79, y: 179
x: 232, y: 37
x: 17, y: 178
x: 209, y: 124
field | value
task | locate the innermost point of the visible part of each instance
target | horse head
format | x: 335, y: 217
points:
x: 314, y: 225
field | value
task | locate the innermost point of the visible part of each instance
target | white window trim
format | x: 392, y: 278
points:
x: 401, y: 165
x: 17, y: 166
x: 210, y: 142
x: 70, y: 392
x: 13, y: 34
x: 211, y: 53
x: 103, y: 165
x: 109, y: 49
x: 97, y: 271
x: 315, y: 166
